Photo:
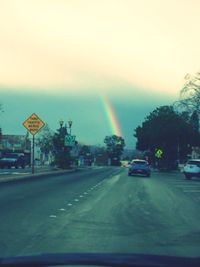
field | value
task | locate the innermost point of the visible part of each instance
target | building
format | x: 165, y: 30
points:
x: 15, y: 143
x: 195, y: 152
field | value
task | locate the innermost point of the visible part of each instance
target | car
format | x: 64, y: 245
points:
x: 125, y: 163
x: 192, y: 168
x: 139, y: 166
x: 12, y: 160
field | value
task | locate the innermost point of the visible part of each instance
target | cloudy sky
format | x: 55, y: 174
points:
x: 59, y: 57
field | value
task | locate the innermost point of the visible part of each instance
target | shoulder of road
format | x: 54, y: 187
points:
x: 44, y: 172
x: 40, y: 172
x: 7, y: 177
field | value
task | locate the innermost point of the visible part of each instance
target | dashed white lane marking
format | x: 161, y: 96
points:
x: 52, y: 216
x: 81, y: 196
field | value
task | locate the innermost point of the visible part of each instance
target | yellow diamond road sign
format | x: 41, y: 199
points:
x: 33, y: 124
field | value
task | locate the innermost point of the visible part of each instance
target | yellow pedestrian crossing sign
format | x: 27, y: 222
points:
x: 33, y: 124
x: 159, y: 153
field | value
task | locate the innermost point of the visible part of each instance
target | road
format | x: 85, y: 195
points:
x: 101, y: 210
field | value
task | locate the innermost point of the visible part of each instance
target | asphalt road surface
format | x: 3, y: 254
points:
x: 101, y: 210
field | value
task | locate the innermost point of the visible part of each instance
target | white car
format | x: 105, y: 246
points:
x: 192, y: 168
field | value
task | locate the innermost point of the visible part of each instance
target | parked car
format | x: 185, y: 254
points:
x: 139, y: 166
x: 192, y: 168
x: 12, y: 160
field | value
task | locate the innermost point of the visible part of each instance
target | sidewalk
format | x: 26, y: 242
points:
x: 40, y: 172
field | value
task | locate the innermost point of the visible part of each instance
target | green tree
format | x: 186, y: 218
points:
x: 0, y: 135
x: 114, y: 147
x: 45, y: 140
x: 1, y: 110
x: 62, y: 153
x: 166, y: 129
x: 194, y: 121
x: 100, y: 156
x: 85, y: 152
x: 190, y: 94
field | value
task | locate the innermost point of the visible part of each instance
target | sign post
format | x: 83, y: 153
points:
x: 33, y: 124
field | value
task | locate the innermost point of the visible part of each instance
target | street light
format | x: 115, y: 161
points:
x: 61, y: 123
x: 70, y: 126
x: 69, y: 122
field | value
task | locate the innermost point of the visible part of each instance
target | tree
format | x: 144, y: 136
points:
x: 115, y: 147
x: 194, y: 121
x: 1, y: 110
x: 62, y: 153
x: 190, y: 94
x: 45, y: 140
x: 1, y: 135
x: 85, y: 153
x: 168, y: 130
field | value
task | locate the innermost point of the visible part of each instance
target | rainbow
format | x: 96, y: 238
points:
x: 111, y: 116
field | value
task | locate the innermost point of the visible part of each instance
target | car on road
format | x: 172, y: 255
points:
x: 139, y: 166
x: 192, y: 168
x: 12, y: 160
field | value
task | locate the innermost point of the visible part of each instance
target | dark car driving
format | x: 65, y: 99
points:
x: 139, y: 166
x: 12, y: 160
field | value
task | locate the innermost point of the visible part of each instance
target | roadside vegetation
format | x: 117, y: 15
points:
x: 173, y: 129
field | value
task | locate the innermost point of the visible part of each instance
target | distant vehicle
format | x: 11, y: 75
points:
x: 139, y: 166
x: 125, y: 163
x: 12, y: 160
x: 192, y: 168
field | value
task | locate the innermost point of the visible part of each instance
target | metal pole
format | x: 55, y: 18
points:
x: 33, y: 155
x: 178, y: 152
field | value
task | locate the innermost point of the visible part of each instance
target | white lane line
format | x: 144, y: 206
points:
x: 80, y: 196
x: 85, y: 193
x: 52, y: 216
x: 62, y: 209
x: 69, y: 204
x: 76, y: 200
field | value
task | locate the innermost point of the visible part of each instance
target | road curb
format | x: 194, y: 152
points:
x: 35, y: 176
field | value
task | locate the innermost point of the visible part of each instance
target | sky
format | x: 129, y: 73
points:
x: 62, y: 59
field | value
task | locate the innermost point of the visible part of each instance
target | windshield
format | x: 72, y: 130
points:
x: 139, y: 162
x: 86, y: 88
x: 11, y: 156
x: 193, y: 162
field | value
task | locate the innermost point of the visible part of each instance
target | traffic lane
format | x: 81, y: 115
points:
x: 28, y: 206
x: 125, y: 215
x: 121, y: 214
x: 176, y: 181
